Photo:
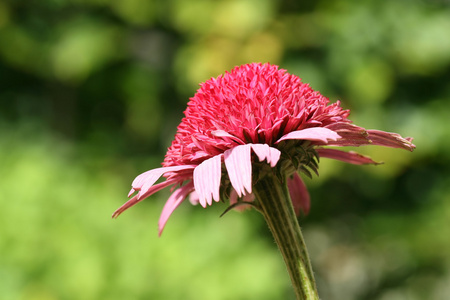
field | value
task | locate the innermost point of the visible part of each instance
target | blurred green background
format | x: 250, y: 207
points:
x: 91, y: 92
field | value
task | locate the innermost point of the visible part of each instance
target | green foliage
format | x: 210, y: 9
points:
x: 58, y: 241
x: 91, y: 92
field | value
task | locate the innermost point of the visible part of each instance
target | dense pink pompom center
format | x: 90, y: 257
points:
x: 254, y: 103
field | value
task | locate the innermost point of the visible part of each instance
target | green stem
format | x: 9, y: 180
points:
x: 276, y: 206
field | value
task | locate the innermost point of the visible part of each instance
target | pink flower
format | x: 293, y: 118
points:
x: 241, y: 122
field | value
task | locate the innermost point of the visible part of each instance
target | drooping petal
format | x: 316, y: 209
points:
x: 146, y: 180
x: 125, y: 206
x: 317, y: 134
x: 350, y: 157
x: 138, y: 198
x: 264, y: 152
x: 389, y: 139
x: 299, y: 195
x: 239, y: 168
x: 233, y: 197
x: 193, y: 198
x: 246, y: 198
x: 172, y: 203
x: 207, y: 180
x: 351, y: 135
x: 131, y: 192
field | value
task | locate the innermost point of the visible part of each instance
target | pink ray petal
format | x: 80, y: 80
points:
x: 207, y: 180
x: 233, y: 197
x: 193, y: 198
x: 146, y: 180
x: 299, y: 195
x: 246, y: 198
x: 350, y: 157
x: 239, y: 168
x: 125, y: 206
x: 249, y: 197
x: 138, y: 198
x: 264, y: 152
x: 316, y: 134
x: 131, y: 192
x: 351, y: 135
x: 172, y: 203
x: 389, y: 139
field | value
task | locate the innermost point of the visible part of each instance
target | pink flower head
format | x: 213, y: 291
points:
x: 238, y: 124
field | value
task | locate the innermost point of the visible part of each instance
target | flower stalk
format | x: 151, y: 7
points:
x: 274, y: 203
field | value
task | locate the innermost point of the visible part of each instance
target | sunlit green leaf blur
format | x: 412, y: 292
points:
x: 91, y: 92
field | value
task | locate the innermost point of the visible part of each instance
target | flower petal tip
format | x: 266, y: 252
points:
x: 131, y: 192
x: 206, y: 179
x: 390, y: 139
x: 125, y: 206
x: 265, y: 152
x: 412, y: 147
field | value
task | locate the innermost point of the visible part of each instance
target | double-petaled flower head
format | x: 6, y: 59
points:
x: 253, y: 120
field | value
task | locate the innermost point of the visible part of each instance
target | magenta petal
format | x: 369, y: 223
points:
x: 239, y: 168
x: 125, y: 206
x: 246, y: 198
x: 316, y: 134
x: 146, y: 180
x: 193, y: 198
x: 350, y: 157
x: 351, y: 135
x: 264, y: 152
x: 155, y: 174
x: 138, y: 198
x: 233, y: 197
x: 207, y: 180
x: 249, y: 198
x: 299, y: 195
x: 389, y: 139
x: 172, y: 203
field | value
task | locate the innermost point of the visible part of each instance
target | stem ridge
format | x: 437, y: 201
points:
x: 276, y: 206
